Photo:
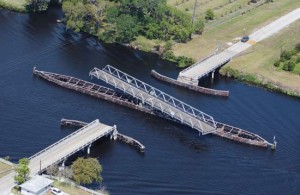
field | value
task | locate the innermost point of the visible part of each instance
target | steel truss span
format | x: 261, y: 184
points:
x: 157, y: 99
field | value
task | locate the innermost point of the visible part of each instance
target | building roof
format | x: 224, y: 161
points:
x: 36, y: 183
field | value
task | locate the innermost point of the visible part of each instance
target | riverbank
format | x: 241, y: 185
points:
x: 256, y: 65
x: 14, y: 5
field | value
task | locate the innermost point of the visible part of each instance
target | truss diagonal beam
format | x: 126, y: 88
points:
x: 156, y: 98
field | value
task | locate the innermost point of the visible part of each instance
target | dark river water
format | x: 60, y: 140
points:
x: 177, y: 160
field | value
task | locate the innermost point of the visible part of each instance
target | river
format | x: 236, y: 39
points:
x: 177, y: 160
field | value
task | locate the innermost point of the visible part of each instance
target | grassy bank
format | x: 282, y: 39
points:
x: 14, y: 5
x: 260, y: 81
x: 256, y: 65
x: 231, y: 29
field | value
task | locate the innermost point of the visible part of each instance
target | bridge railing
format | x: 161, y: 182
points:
x: 193, y: 65
x: 216, y: 67
x: 65, y: 138
x: 157, y: 94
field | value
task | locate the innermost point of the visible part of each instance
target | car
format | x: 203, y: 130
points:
x: 56, y: 191
x: 245, y: 39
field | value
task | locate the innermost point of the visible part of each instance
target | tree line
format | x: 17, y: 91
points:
x: 123, y: 20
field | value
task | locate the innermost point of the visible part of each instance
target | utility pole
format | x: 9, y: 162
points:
x: 194, y: 13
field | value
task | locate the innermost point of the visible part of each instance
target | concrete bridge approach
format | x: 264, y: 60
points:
x: 192, y: 74
x: 157, y: 99
x: 62, y: 149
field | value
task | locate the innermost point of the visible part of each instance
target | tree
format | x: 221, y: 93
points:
x: 37, y: 5
x: 289, y: 66
x: 210, y: 15
x: 86, y: 171
x: 127, y: 28
x: 199, y: 27
x: 52, y: 170
x: 22, y: 171
x: 65, y: 173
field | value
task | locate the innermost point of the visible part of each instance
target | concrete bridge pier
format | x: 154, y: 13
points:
x: 89, y: 149
x: 212, y: 76
x: 114, y: 133
x: 62, y: 167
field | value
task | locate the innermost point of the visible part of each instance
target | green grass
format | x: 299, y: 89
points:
x: 232, y: 28
x: 258, y: 61
x: 145, y: 44
x: 221, y: 8
x: 15, y: 5
x: 297, y: 69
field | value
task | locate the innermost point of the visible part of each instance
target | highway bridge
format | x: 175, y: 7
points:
x: 192, y: 74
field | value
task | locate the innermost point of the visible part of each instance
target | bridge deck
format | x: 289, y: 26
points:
x: 68, y: 146
x: 156, y: 99
x: 202, y: 68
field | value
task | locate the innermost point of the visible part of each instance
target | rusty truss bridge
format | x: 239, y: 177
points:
x: 156, y: 99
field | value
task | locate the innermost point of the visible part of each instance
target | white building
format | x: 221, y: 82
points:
x: 37, y: 185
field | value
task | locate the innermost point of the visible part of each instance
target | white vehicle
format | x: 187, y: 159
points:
x: 56, y: 191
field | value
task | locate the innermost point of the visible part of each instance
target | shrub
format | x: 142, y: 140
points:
x: 285, y: 55
x: 297, y: 47
x: 293, y: 52
x: 277, y: 63
x: 210, y: 15
x: 289, y: 66
x: 199, y: 27
x: 298, y: 59
x: 168, y: 46
x: 285, y: 67
x: 184, y: 61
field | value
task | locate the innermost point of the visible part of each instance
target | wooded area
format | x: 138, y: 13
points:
x: 123, y: 20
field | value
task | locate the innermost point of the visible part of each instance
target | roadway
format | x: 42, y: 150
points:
x: 200, y: 69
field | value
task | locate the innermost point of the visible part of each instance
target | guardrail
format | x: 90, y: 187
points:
x: 81, y: 147
x: 201, y: 60
x: 65, y: 138
x: 220, y: 64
